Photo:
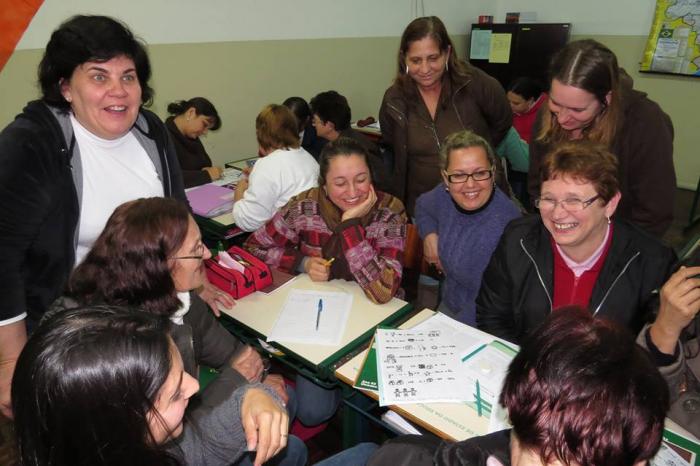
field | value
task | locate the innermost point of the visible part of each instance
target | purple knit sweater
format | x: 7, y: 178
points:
x: 465, y: 243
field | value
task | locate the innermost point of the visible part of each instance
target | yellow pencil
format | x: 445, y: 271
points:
x: 330, y: 261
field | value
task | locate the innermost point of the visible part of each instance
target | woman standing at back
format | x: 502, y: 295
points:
x: 592, y: 98
x: 435, y: 94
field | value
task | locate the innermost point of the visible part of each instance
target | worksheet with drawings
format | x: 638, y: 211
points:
x: 312, y: 317
x: 418, y: 366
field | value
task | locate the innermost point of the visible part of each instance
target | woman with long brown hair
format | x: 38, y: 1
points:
x: 592, y: 98
x: 434, y: 95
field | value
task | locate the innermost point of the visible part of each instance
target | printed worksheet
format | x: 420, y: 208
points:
x: 418, y: 366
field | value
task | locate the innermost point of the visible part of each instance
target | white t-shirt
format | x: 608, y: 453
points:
x: 114, y: 172
x: 274, y: 180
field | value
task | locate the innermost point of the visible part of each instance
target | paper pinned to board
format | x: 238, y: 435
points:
x: 300, y: 321
x: 499, y: 51
x: 480, y: 44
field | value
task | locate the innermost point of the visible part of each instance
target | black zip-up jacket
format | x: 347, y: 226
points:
x: 40, y: 197
x: 425, y: 450
x: 518, y: 284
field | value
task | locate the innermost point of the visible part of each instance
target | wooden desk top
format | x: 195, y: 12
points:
x: 258, y: 312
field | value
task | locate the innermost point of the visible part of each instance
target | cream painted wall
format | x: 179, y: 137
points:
x: 191, y: 21
x: 241, y: 77
x: 241, y: 74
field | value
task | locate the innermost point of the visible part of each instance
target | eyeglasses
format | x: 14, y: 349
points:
x: 199, y: 253
x: 570, y: 205
x: 481, y: 175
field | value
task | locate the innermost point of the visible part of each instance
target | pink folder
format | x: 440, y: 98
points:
x: 210, y: 200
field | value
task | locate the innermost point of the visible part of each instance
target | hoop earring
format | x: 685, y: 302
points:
x: 406, y: 69
x: 609, y: 221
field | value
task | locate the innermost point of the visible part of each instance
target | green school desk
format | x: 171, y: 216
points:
x: 254, y: 316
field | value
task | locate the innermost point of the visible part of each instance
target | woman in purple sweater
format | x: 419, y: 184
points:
x: 462, y: 220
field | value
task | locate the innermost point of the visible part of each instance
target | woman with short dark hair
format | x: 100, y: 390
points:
x: 189, y: 120
x: 575, y: 252
x: 67, y: 161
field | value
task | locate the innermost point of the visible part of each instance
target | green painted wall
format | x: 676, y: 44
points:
x: 241, y: 77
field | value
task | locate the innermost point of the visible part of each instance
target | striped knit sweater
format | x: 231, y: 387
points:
x: 367, y: 250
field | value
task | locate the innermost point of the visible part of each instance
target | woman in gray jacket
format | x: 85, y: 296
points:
x: 672, y: 341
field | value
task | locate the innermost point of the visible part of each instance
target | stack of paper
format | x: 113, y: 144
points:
x: 439, y: 360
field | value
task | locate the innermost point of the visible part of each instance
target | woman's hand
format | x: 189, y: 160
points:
x: 276, y: 382
x: 430, y: 250
x: 214, y: 172
x: 680, y: 302
x: 215, y: 297
x: 265, y: 424
x: 249, y: 364
x: 361, y: 209
x: 241, y: 187
x: 317, y: 268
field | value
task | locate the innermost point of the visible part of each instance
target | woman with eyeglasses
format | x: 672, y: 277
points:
x: 150, y: 256
x: 592, y: 98
x: 461, y: 220
x: 673, y: 340
x: 573, y: 253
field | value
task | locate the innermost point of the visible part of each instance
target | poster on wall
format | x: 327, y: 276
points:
x: 673, y: 45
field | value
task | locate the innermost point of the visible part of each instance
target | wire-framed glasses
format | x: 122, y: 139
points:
x: 571, y: 205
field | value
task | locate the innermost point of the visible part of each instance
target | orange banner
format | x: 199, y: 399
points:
x: 15, y: 16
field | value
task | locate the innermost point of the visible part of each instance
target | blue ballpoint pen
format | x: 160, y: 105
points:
x: 318, y: 313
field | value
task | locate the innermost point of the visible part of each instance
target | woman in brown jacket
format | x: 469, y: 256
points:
x: 434, y: 95
x: 592, y: 98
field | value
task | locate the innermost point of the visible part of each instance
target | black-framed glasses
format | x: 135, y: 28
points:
x: 199, y: 253
x: 481, y: 175
x: 570, y: 205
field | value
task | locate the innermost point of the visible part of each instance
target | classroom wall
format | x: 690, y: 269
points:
x: 354, y: 55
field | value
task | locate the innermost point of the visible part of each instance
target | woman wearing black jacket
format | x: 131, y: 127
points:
x: 574, y: 252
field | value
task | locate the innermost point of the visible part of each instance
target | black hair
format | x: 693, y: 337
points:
x: 89, y: 38
x: 527, y: 88
x: 341, y: 147
x: 85, y: 384
x: 333, y: 107
x: 201, y: 106
x: 300, y: 109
